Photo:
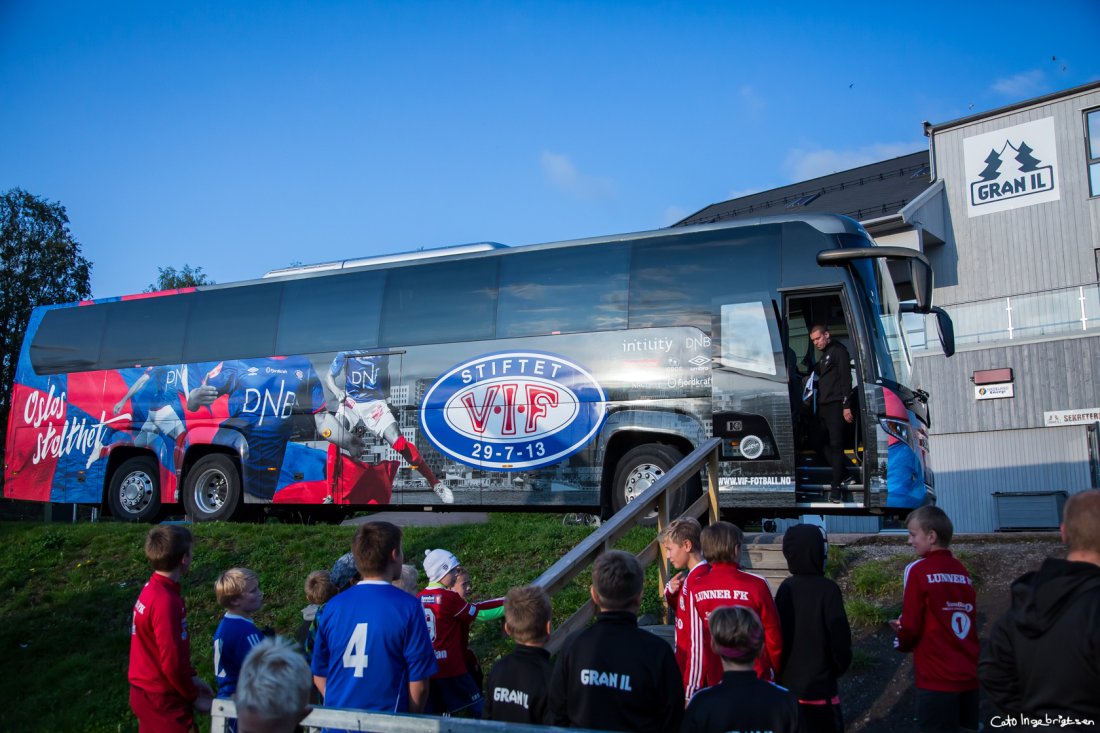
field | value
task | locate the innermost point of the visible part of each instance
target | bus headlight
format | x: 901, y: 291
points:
x: 899, y: 429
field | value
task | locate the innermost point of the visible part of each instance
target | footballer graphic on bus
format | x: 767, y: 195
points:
x: 513, y: 410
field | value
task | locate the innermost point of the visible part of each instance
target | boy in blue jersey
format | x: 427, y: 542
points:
x: 373, y: 651
x: 263, y: 399
x: 363, y: 406
x: 238, y: 592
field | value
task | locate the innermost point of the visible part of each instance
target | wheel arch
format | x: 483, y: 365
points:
x: 115, y: 459
x: 627, y: 429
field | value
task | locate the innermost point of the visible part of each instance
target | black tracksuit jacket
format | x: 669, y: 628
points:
x: 1043, y: 655
x: 615, y: 676
x: 741, y: 702
x: 834, y: 374
x: 519, y: 686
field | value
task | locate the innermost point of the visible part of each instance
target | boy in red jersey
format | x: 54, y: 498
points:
x: 727, y: 585
x: 163, y: 685
x: 680, y: 540
x: 453, y: 689
x: 937, y: 624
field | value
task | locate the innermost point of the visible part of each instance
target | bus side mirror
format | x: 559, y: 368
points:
x: 946, y: 329
x: 944, y: 325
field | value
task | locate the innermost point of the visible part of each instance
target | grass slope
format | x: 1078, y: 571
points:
x: 67, y: 594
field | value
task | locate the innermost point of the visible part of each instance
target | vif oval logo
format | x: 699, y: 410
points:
x: 513, y: 410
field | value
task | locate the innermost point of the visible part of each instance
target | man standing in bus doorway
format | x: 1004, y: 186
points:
x: 834, y: 389
x: 363, y: 406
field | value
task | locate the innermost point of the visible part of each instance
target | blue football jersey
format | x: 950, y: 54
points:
x: 263, y: 399
x: 164, y: 386
x: 233, y: 639
x: 366, y: 377
x: 371, y: 641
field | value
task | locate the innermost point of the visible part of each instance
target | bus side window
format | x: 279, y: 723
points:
x: 750, y: 338
x: 560, y: 291
x: 441, y: 302
x: 330, y: 313
x: 233, y: 323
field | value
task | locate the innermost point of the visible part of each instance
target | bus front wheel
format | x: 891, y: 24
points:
x: 134, y: 493
x: 212, y: 491
x: 640, y: 468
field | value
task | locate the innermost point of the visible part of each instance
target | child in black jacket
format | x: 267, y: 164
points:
x: 817, y: 641
x: 519, y: 684
x: 741, y: 701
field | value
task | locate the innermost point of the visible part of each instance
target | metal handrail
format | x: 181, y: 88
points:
x: 223, y: 711
x: 574, y: 562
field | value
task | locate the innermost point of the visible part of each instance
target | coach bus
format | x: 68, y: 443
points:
x: 559, y: 377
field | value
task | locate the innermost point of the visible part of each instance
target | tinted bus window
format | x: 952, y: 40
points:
x: 233, y: 323
x: 145, y: 331
x: 563, y: 291
x: 440, y: 303
x: 68, y: 340
x: 332, y: 313
x: 682, y: 282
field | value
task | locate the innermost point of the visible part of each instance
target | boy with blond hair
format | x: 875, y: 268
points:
x: 728, y: 585
x: 680, y: 540
x: 938, y: 623
x: 163, y: 685
x: 238, y: 592
x: 273, y: 689
x: 520, y: 682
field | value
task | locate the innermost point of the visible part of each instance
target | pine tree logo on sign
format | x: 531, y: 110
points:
x: 1011, y: 168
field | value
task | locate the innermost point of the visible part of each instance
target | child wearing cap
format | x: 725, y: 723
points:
x: 453, y: 689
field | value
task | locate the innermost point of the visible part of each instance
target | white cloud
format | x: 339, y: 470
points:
x: 1021, y: 86
x: 803, y: 164
x: 739, y: 192
x: 753, y: 101
x: 672, y: 214
x: 564, y: 176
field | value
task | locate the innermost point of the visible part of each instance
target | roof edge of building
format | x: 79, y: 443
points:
x: 931, y: 128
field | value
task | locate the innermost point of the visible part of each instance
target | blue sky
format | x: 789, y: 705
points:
x: 244, y: 136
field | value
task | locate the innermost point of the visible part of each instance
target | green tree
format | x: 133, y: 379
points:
x: 40, y: 264
x: 169, y: 278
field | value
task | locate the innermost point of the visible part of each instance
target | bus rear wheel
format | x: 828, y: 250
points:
x: 640, y: 468
x: 134, y: 493
x: 212, y: 491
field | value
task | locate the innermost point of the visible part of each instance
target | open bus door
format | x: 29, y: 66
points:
x: 813, y: 472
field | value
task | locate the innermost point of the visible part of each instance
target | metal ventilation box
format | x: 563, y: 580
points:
x: 1018, y: 510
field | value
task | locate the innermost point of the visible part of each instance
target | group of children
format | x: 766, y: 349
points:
x: 740, y: 660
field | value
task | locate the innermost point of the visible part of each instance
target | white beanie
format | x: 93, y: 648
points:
x: 438, y: 563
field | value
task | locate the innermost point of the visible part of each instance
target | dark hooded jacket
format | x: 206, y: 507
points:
x: 817, y: 641
x: 1043, y: 656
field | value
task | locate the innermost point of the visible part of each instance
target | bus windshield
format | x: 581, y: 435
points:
x: 891, y: 353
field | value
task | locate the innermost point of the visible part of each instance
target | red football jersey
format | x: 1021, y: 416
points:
x: 688, y: 630
x: 448, y: 615
x: 939, y: 623
x: 728, y: 585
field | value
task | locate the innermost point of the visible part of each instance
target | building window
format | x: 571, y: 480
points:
x: 1092, y: 136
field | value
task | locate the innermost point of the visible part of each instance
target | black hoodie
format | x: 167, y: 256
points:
x: 1043, y: 656
x: 817, y: 641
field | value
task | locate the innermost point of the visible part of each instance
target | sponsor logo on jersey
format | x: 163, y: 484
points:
x: 513, y: 411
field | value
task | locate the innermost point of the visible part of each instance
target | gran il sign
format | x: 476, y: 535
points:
x: 1011, y: 168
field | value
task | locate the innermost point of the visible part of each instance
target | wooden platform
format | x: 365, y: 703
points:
x: 762, y: 554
